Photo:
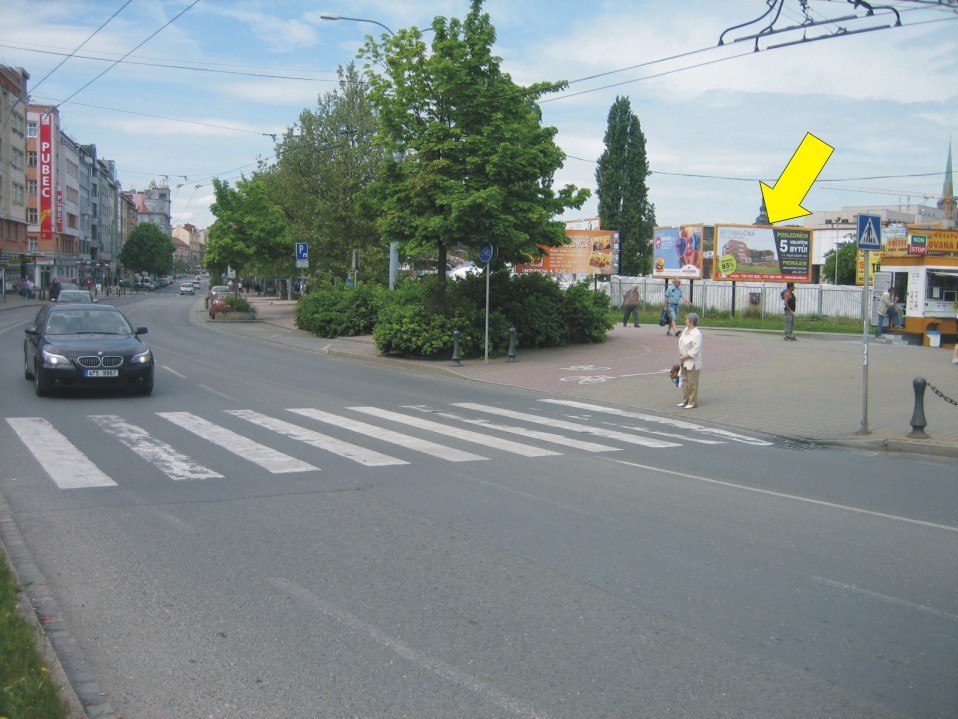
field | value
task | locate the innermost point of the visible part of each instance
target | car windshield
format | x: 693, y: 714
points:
x: 103, y: 323
x: 74, y: 296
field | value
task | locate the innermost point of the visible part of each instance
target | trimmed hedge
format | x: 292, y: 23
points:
x: 412, y: 320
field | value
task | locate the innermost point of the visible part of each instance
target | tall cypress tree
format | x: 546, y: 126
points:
x: 620, y: 185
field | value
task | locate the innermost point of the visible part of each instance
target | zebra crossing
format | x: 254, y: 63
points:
x: 459, y: 432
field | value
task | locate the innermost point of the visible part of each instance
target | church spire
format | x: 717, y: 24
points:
x: 947, y: 202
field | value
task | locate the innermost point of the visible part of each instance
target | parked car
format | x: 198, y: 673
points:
x: 75, y: 296
x: 186, y: 288
x: 77, y: 345
x: 218, y: 302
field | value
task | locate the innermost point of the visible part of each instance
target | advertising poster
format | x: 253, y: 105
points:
x: 677, y: 252
x: 589, y: 252
x: 45, y: 172
x: 762, y: 254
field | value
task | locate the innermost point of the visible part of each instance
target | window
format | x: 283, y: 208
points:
x: 31, y: 158
x: 31, y: 187
x: 17, y: 160
x: 19, y: 194
x: 32, y: 217
x: 33, y: 128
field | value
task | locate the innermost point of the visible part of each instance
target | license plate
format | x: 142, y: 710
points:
x: 102, y: 373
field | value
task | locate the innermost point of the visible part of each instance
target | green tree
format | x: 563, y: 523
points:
x: 148, y: 250
x: 847, y: 258
x: 249, y: 234
x: 467, y: 158
x: 323, y: 169
x: 622, y: 191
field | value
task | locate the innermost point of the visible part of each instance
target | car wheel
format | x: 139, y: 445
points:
x: 42, y: 388
x: 27, y: 372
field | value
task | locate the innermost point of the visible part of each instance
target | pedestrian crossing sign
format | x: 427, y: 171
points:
x: 869, y: 232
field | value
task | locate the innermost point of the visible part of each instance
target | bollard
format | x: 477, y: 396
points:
x: 511, y: 354
x: 456, y: 360
x: 918, y: 423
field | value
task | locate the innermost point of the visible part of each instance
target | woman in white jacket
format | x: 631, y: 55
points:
x: 690, y: 357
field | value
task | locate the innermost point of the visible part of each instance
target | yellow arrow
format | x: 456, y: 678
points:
x: 784, y: 202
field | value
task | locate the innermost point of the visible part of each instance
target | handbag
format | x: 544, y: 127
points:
x: 664, y: 319
x: 674, y: 374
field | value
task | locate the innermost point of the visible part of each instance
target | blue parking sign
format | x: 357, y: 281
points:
x: 302, y: 250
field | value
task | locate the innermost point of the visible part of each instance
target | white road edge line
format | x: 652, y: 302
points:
x: 456, y: 676
x: 782, y: 495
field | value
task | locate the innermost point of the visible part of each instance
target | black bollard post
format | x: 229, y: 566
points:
x: 456, y: 360
x: 918, y: 423
x: 511, y: 353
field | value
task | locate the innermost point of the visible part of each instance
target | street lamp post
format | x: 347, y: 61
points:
x: 337, y: 16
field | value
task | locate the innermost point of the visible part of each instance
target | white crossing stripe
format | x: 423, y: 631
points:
x: 66, y: 465
x: 158, y: 453
x: 552, y: 437
x: 449, y: 454
x: 506, y: 445
x: 681, y: 424
x: 603, y: 432
x: 368, y: 457
x: 269, y: 459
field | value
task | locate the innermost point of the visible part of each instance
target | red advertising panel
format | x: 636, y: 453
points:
x: 763, y: 254
x: 45, y: 180
x: 589, y: 252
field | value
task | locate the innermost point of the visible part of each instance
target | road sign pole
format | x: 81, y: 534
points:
x: 866, y: 311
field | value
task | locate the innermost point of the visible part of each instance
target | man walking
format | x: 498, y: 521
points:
x: 788, y: 298
x: 630, y: 304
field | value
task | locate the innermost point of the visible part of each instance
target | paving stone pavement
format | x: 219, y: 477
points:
x: 812, y: 390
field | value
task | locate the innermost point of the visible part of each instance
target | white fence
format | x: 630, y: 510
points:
x: 757, y: 298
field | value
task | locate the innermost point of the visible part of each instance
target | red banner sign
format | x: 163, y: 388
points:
x: 45, y: 180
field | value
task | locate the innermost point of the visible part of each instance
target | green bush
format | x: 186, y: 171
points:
x: 340, y: 310
x: 239, y: 304
x: 585, y: 315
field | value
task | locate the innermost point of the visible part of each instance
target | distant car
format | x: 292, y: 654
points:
x: 75, y: 296
x: 186, y: 288
x: 76, y: 345
x: 68, y: 285
x: 196, y: 283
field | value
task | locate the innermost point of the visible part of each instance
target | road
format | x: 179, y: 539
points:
x: 279, y: 533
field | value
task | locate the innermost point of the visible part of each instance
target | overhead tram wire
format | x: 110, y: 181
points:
x: 150, y: 37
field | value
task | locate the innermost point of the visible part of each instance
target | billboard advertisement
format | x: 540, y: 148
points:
x: 677, y: 251
x: 758, y: 253
x: 589, y: 252
x: 45, y: 172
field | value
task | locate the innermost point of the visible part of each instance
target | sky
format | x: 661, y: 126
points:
x: 203, y: 86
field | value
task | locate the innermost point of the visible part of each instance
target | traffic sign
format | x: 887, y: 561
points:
x: 302, y: 250
x: 869, y: 232
x: 486, y: 250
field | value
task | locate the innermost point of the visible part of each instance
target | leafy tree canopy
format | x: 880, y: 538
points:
x: 622, y: 191
x: 249, y: 234
x: 467, y: 159
x: 148, y: 250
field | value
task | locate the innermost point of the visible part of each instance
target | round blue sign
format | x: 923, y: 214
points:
x: 486, y: 251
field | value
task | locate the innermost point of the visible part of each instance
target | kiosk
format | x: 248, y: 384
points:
x: 929, y: 260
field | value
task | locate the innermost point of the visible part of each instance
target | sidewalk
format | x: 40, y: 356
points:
x: 810, y: 391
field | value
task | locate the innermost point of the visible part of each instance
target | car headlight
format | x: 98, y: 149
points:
x: 54, y: 360
x: 142, y: 358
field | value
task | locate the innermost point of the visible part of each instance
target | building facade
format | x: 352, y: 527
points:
x: 14, y: 249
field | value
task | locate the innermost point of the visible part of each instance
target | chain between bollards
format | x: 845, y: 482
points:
x: 511, y: 354
x: 918, y: 422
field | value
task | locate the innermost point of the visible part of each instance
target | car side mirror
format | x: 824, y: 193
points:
x: 32, y: 331
x: 141, y: 330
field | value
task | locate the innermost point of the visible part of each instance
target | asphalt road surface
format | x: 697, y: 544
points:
x: 280, y: 533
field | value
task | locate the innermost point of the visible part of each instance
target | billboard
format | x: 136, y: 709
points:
x: 677, y: 252
x: 589, y: 252
x: 45, y: 171
x: 758, y: 253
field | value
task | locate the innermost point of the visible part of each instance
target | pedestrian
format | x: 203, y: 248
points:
x: 630, y: 303
x: 894, y: 313
x: 29, y: 289
x: 55, y: 289
x: 673, y: 296
x: 690, y: 358
x: 788, y: 300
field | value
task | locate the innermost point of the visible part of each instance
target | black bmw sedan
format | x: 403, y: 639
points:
x: 86, y: 345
